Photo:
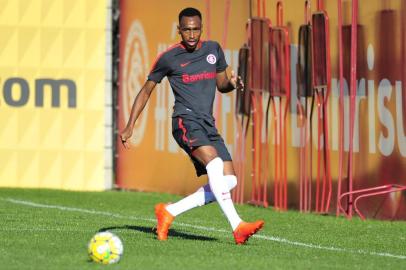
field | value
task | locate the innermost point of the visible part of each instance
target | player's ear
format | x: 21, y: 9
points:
x: 178, y: 29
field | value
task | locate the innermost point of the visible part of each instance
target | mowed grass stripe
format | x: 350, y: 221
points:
x: 196, y: 227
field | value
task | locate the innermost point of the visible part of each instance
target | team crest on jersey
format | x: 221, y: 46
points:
x: 211, y: 59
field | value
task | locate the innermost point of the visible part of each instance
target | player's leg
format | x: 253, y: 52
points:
x: 241, y: 232
x: 166, y: 213
x: 208, y: 156
x: 201, y: 197
x: 189, y: 135
x: 229, y: 168
x: 244, y: 230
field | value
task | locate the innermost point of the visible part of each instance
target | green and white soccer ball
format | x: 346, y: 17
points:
x: 105, y: 248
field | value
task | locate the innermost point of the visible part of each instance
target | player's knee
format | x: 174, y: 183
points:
x: 210, y: 157
x: 231, y: 181
x: 205, y: 154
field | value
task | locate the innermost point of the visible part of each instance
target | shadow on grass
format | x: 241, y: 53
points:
x: 149, y: 230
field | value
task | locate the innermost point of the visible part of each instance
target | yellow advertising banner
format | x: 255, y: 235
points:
x: 156, y: 163
x: 52, y: 70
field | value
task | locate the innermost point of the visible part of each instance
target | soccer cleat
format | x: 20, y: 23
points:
x: 164, y: 221
x: 245, y: 230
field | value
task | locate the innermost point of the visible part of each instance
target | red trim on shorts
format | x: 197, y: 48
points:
x: 184, y: 130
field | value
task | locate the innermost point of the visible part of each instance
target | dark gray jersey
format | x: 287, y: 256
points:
x: 192, y: 76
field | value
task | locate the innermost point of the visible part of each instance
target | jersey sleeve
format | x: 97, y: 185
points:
x: 221, y: 63
x: 159, y: 70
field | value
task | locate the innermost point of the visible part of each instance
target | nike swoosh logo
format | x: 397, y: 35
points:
x: 184, y: 64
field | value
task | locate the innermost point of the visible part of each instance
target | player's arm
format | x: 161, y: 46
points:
x: 139, y: 104
x: 225, y: 84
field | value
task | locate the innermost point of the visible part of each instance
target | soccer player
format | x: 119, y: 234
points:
x: 194, y: 69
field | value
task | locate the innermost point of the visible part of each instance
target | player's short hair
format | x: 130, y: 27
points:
x: 189, y: 12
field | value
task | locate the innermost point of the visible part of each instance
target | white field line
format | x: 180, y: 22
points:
x: 263, y: 237
x: 42, y: 229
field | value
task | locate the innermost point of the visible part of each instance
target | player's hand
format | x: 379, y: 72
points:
x: 236, y: 81
x: 125, y: 135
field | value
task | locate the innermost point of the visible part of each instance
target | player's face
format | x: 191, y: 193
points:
x: 190, y: 29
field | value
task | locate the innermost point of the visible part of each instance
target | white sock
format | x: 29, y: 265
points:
x: 201, y: 197
x: 219, y: 188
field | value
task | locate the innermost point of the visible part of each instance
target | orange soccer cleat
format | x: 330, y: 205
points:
x: 245, y: 230
x: 164, y: 221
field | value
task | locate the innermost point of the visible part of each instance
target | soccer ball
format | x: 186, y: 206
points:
x: 105, y: 248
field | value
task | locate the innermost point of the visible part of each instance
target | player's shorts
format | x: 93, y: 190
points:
x: 191, y: 133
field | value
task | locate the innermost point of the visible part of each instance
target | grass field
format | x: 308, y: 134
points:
x: 48, y: 229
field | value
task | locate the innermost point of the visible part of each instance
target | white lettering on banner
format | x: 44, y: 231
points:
x: 385, y: 143
x: 371, y: 116
x: 380, y: 101
x: 160, y: 110
x: 335, y: 95
x: 361, y: 94
x: 135, y: 68
x: 371, y: 101
x: 346, y: 121
x: 335, y: 116
x: 399, y: 120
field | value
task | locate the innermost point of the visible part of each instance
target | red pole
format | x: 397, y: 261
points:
x: 319, y: 132
x: 319, y: 4
x: 276, y: 151
x: 325, y: 118
x: 287, y: 85
x: 353, y: 90
x: 341, y: 105
x: 259, y: 8
x: 241, y: 195
x: 279, y: 13
x: 208, y: 19
x: 280, y: 155
x: 301, y: 158
x: 307, y: 160
x: 254, y: 160
x: 304, y: 149
x: 307, y: 12
x: 259, y: 178
x: 262, y: 176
